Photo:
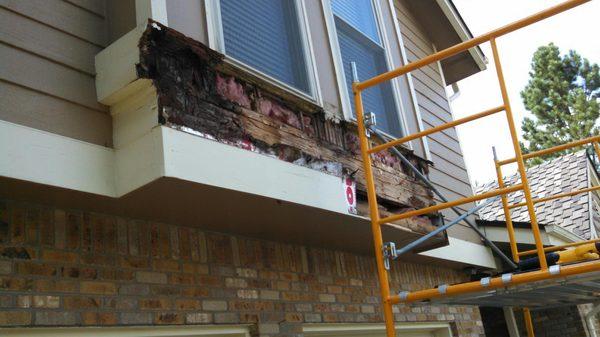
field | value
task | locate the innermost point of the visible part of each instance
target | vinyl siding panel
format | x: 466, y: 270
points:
x: 50, y: 85
x: 449, y: 173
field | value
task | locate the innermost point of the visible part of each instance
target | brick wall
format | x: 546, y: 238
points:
x: 69, y: 268
x: 556, y: 322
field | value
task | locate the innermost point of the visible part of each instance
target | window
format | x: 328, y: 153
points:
x: 360, y: 41
x: 268, y: 36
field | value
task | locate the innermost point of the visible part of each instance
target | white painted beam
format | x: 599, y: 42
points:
x: 47, y: 158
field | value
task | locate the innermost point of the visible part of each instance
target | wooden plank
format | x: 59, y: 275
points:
x: 62, y: 16
x: 97, y: 7
x: 37, y: 38
x: 40, y: 74
x: 39, y: 111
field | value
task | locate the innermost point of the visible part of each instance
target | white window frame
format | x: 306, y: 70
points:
x: 133, y: 331
x: 216, y: 42
x: 436, y: 329
x: 339, y: 69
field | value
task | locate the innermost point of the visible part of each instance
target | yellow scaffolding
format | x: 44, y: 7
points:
x: 376, y: 221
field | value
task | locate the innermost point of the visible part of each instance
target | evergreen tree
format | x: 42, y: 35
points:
x: 563, y: 94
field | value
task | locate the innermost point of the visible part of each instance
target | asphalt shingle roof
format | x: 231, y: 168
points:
x: 559, y: 175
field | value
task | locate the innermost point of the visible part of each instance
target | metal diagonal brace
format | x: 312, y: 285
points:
x: 420, y: 175
x: 431, y: 234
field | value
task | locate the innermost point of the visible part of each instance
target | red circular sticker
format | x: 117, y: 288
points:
x: 349, y: 195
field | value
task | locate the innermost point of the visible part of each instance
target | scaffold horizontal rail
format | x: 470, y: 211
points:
x: 445, y: 126
x: 449, y: 204
x: 502, y: 281
x: 557, y: 196
x: 589, y: 140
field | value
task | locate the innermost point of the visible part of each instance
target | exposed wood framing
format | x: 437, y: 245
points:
x: 200, y: 92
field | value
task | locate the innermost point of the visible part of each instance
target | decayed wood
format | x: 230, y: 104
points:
x: 198, y: 90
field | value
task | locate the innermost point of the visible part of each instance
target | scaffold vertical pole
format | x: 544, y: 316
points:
x: 509, y: 224
x: 519, y: 156
x: 528, y: 322
x: 373, y: 209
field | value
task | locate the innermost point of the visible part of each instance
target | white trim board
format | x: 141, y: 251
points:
x: 376, y: 330
x: 54, y: 160
x: 464, y: 251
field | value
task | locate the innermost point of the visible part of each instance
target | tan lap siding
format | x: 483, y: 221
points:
x: 49, y: 85
x: 449, y: 173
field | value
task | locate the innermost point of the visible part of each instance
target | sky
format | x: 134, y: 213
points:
x: 575, y: 29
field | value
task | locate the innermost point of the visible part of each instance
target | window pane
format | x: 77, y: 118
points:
x: 359, y: 14
x: 370, y: 61
x: 265, y: 35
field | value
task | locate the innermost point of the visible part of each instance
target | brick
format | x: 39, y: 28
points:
x: 214, y: 305
x: 73, y: 230
x: 55, y: 318
x: 248, y: 294
x: 268, y: 328
x: 15, y: 318
x: 81, y: 273
x: 62, y: 286
x: 132, y: 318
x: 326, y: 298
x: 48, y: 302
x: 17, y: 253
x: 31, y: 268
x: 155, y: 303
x: 58, y: 256
x: 7, y: 301
x: 134, y: 289
x: 166, y: 265
x: 60, y: 222
x: 312, y: 318
x: 229, y: 317
x: 246, y: 272
x: 123, y: 303
x: 198, y: 318
x: 367, y: 309
x: 134, y: 262
x: 169, y: 318
x: 93, y: 287
x: 99, y: 318
x: 24, y: 301
x: 294, y: 317
x: 187, y: 304
x: 151, y: 277
x: 269, y: 295
x: 195, y: 268
x: 235, y: 283
x: 5, y: 267
x: 82, y: 302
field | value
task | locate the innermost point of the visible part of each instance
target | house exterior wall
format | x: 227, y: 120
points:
x: 449, y: 173
x: 52, y: 45
x: 66, y: 267
x: 49, y: 85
